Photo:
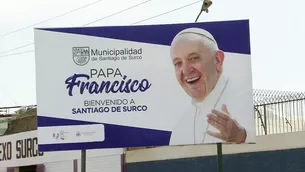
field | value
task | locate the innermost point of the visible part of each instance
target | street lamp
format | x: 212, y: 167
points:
x: 205, y: 7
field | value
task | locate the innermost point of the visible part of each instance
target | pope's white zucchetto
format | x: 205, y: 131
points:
x: 197, y: 31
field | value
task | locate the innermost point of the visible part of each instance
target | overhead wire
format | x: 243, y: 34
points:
x: 173, y: 10
x: 17, y: 48
x: 167, y: 12
x: 103, y: 18
x: 30, y: 51
x: 7, y: 95
x: 82, y: 7
x: 126, y: 9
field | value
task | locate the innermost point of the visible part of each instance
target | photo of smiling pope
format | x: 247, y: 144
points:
x: 220, y: 87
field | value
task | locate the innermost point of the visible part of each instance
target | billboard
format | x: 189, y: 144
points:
x: 149, y: 85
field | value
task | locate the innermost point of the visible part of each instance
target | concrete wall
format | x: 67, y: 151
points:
x: 272, y: 153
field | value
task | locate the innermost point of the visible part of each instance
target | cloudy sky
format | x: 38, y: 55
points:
x: 277, y: 34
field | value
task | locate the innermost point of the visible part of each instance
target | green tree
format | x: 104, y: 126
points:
x: 25, y: 121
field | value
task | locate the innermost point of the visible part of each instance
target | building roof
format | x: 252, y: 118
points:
x: 7, y: 115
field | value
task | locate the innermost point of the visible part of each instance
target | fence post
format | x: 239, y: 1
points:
x: 265, y: 119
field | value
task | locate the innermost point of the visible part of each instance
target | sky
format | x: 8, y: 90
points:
x: 276, y: 30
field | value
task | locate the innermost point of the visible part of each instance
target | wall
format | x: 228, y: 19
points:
x: 22, y: 150
x: 272, y: 153
x: 111, y: 163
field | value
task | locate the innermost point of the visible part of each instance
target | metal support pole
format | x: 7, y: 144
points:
x: 219, y: 157
x: 83, y: 160
x: 265, y: 118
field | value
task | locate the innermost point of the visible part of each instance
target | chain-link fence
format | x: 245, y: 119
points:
x: 275, y: 112
x: 279, y: 111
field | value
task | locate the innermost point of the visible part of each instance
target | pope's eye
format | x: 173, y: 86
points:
x: 177, y: 64
x: 194, y: 58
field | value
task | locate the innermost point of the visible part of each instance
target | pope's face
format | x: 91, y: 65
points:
x: 197, y: 69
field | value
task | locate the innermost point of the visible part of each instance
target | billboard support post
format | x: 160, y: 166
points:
x: 83, y: 160
x: 219, y: 157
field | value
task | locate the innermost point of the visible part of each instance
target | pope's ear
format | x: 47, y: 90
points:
x: 219, y: 59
